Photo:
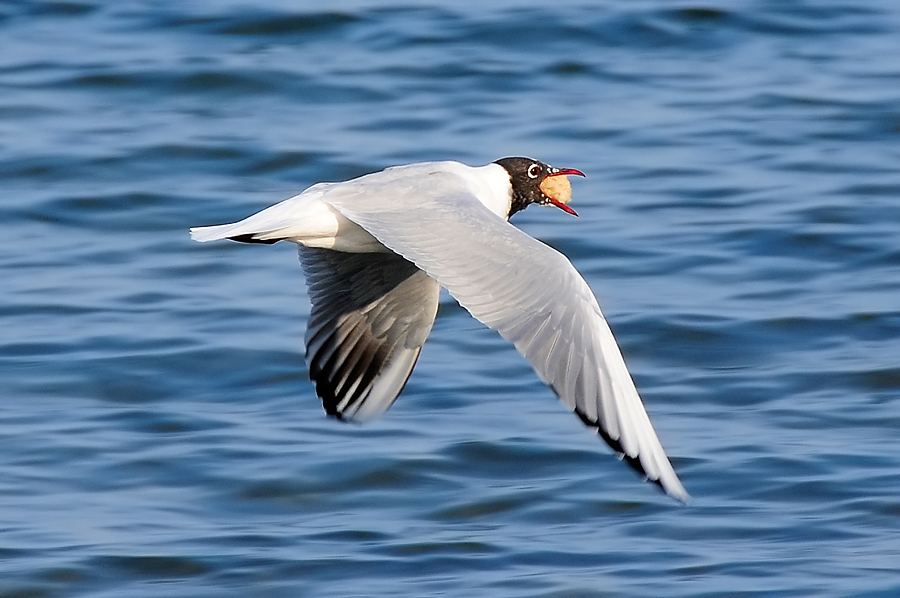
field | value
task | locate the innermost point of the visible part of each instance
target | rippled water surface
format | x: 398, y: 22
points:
x: 739, y: 224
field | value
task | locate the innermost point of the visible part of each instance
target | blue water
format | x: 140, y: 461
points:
x: 739, y: 224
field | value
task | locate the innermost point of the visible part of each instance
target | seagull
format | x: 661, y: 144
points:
x: 377, y: 249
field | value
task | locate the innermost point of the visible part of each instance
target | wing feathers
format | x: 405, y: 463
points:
x: 371, y: 313
x: 520, y: 287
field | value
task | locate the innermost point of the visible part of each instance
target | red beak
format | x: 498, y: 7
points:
x: 567, y: 171
x: 559, y: 204
x: 563, y: 207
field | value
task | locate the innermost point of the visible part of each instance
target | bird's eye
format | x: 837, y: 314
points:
x: 534, y: 170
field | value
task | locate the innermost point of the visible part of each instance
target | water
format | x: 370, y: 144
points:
x: 738, y: 224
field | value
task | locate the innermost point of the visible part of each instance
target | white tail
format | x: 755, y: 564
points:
x: 303, y: 219
x: 212, y: 233
x: 288, y: 214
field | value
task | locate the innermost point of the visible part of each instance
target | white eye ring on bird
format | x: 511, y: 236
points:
x: 534, y: 170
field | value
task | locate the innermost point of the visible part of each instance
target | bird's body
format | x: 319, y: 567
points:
x: 310, y: 220
x: 376, y: 251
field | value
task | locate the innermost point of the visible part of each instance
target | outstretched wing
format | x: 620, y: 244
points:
x: 371, y: 313
x: 530, y: 293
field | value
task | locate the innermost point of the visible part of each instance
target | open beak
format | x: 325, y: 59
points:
x: 559, y: 193
x: 563, y: 207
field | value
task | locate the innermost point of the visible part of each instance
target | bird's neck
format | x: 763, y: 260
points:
x: 495, y: 190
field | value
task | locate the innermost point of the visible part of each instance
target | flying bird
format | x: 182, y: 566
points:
x: 377, y: 249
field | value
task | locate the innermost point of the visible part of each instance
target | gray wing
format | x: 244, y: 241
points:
x: 371, y: 313
x: 528, y: 292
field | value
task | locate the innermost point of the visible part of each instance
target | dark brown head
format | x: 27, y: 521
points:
x: 534, y: 182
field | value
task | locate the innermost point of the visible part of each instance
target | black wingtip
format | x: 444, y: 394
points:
x: 633, y: 462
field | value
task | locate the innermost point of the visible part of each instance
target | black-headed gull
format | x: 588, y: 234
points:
x: 377, y: 249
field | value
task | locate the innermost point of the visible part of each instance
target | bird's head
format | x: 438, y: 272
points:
x: 534, y: 182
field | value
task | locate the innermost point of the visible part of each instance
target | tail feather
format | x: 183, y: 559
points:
x: 259, y: 226
x: 303, y: 219
x: 233, y: 232
x: 215, y: 233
